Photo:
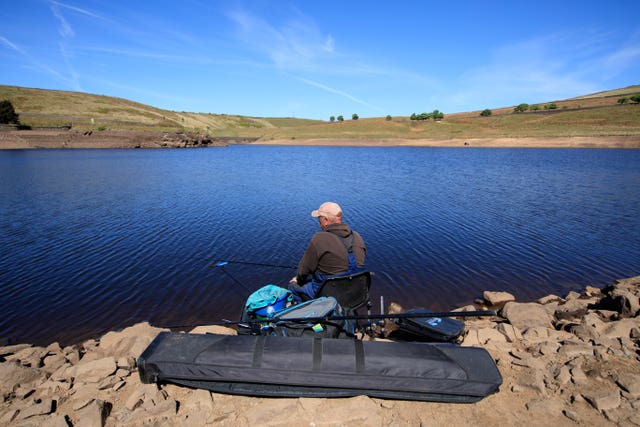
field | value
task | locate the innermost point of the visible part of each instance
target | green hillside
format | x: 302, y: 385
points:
x: 598, y: 114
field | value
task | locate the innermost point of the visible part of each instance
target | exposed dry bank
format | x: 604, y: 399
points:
x: 565, y: 361
x: 14, y: 139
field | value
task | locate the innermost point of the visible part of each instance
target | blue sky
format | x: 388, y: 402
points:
x: 316, y: 59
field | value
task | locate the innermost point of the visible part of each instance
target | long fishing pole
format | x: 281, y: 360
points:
x: 261, y: 264
x: 320, y: 319
x: 221, y: 264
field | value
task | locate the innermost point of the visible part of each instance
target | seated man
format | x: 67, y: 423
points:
x: 334, y: 250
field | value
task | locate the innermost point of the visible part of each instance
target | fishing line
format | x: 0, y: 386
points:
x: 261, y: 264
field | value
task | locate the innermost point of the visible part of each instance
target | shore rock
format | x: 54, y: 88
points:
x: 564, y: 361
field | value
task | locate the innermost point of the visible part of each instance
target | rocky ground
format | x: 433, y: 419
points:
x: 565, y: 361
x: 52, y: 138
x: 20, y: 139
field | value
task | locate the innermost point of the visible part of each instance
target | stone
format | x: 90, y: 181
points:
x: 533, y: 379
x: 43, y: 407
x: 54, y: 348
x: 13, y: 374
x: 52, y: 362
x: 564, y: 375
x: 549, y: 299
x: 572, y: 309
x: 55, y: 420
x: 12, y: 349
x: 578, y: 376
x: 571, y: 350
x: 603, y: 400
x: 9, y: 416
x: 572, y: 295
x: 125, y: 362
x: 497, y: 299
x: 486, y: 335
x: 572, y: 415
x: 201, y: 400
x: 591, y: 291
x: 526, y: 315
x: 630, y: 383
x: 213, y: 329
x: 130, y: 342
x: 511, y: 333
x: 94, y: 414
x: 31, y: 356
x: 530, y: 362
x: 623, y: 297
x: 95, y: 371
x: 621, y: 328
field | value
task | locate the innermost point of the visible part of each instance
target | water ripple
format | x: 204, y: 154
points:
x: 97, y: 240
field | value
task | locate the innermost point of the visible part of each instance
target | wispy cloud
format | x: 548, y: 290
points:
x: 539, y: 69
x: 11, y: 45
x: 66, y: 32
x: 64, y: 29
x: 294, y: 45
x: 38, y: 65
x: 77, y: 9
x: 337, y: 92
x: 299, y: 45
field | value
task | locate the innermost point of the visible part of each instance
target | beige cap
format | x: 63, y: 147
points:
x: 327, y: 209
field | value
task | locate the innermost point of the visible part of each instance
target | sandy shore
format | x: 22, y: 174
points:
x: 551, y: 142
x: 13, y: 139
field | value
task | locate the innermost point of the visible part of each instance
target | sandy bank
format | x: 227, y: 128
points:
x: 564, y: 362
x: 13, y: 139
x: 550, y: 142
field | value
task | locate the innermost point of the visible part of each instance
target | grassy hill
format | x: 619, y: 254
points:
x: 597, y: 114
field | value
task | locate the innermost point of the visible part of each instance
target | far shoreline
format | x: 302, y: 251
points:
x: 122, y: 139
x: 628, y: 142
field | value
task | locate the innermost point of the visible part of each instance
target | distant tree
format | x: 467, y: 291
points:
x: 354, y: 116
x: 521, y: 108
x: 551, y: 106
x: 7, y: 113
x: 340, y: 118
x: 413, y: 116
x: 636, y: 99
x: 332, y: 119
x: 388, y: 118
x: 623, y: 100
x: 437, y: 115
x: 534, y: 107
x: 486, y: 112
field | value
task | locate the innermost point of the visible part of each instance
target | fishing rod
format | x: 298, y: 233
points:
x: 320, y: 319
x: 222, y: 263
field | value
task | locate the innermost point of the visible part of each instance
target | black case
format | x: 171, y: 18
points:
x: 438, y: 329
x: 274, y: 366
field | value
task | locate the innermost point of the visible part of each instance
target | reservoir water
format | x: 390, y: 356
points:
x: 97, y: 240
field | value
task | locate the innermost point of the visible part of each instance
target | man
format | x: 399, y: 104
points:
x: 334, y: 250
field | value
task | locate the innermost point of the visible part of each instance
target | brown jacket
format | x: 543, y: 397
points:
x: 327, y: 254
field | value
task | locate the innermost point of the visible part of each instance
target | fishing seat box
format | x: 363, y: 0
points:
x: 438, y: 329
x: 276, y: 366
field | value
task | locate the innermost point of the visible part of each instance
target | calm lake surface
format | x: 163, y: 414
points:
x: 96, y: 240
